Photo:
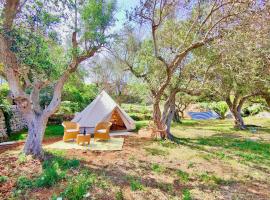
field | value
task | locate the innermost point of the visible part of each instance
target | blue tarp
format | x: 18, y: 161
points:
x: 203, y: 115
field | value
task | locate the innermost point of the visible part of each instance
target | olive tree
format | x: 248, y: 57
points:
x: 243, y: 69
x: 172, y: 38
x: 34, y: 55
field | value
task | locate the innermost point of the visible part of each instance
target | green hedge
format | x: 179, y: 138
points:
x: 59, y: 118
x: 140, y: 116
x: 138, y: 112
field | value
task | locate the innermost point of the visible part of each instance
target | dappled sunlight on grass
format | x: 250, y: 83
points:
x: 206, y: 128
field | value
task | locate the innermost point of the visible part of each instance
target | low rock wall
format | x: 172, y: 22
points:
x: 17, y: 123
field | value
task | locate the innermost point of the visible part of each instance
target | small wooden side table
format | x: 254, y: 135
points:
x: 81, y: 138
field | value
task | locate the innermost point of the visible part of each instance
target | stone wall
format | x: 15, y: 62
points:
x: 3, y: 131
x: 17, y: 123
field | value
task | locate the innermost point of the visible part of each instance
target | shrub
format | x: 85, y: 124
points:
x: 68, y: 107
x: 136, y: 185
x: 141, y: 124
x: 78, y: 185
x: 23, y: 183
x: 220, y: 108
x: 138, y: 112
x: 184, y: 176
x: 186, y: 194
x: 61, y: 162
x: 59, y: 118
x: 252, y: 110
x: 3, y: 179
x: 54, y: 170
x: 5, y: 106
x: 140, y: 116
x: 50, y: 176
x: 157, y: 168
x: 119, y: 195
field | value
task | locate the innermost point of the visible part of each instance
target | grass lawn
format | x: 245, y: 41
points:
x: 211, y: 161
x: 50, y: 132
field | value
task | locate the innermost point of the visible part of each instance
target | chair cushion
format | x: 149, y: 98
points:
x: 71, y: 130
x: 101, y: 131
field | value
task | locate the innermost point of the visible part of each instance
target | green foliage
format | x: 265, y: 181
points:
x: 22, y: 158
x: 3, y: 179
x: 61, y: 163
x: 43, y: 58
x: 168, y: 144
x: 186, y: 195
x: 210, y: 178
x: 140, y: 116
x: 50, y: 132
x: 78, y: 185
x: 77, y: 92
x: 135, y: 183
x: 23, y: 183
x: 141, y: 124
x: 184, y: 176
x: 119, y: 195
x: 157, y: 168
x: 97, y: 16
x: 137, y: 93
x: 50, y: 176
x: 54, y: 169
x: 220, y: 108
x: 68, y: 107
x: 252, y: 109
x: 138, y: 112
x: 5, y: 106
x: 253, y: 147
x: 136, y: 108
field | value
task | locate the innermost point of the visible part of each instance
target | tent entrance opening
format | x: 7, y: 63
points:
x: 117, y: 122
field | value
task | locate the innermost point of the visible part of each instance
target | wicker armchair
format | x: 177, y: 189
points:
x: 102, y: 130
x: 71, y: 130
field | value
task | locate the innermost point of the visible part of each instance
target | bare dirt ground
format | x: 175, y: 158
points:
x: 221, y: 167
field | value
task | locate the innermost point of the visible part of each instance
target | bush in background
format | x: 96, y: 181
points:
x: 253, y: 109
x: 68, y: 107
x: 138, y: 112
x: 5, y: 106
x: 220, y: 107
x: 59, y: 118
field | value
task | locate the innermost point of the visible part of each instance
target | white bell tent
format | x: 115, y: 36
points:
x: 104, y: 108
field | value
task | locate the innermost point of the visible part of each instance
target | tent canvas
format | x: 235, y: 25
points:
x: 102, y: 109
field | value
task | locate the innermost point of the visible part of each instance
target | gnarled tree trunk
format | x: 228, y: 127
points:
x: 36, y: 128
x: 235, y: 108
x: 238, y: 120
x: 157, y: 118
x: 169, y: 113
